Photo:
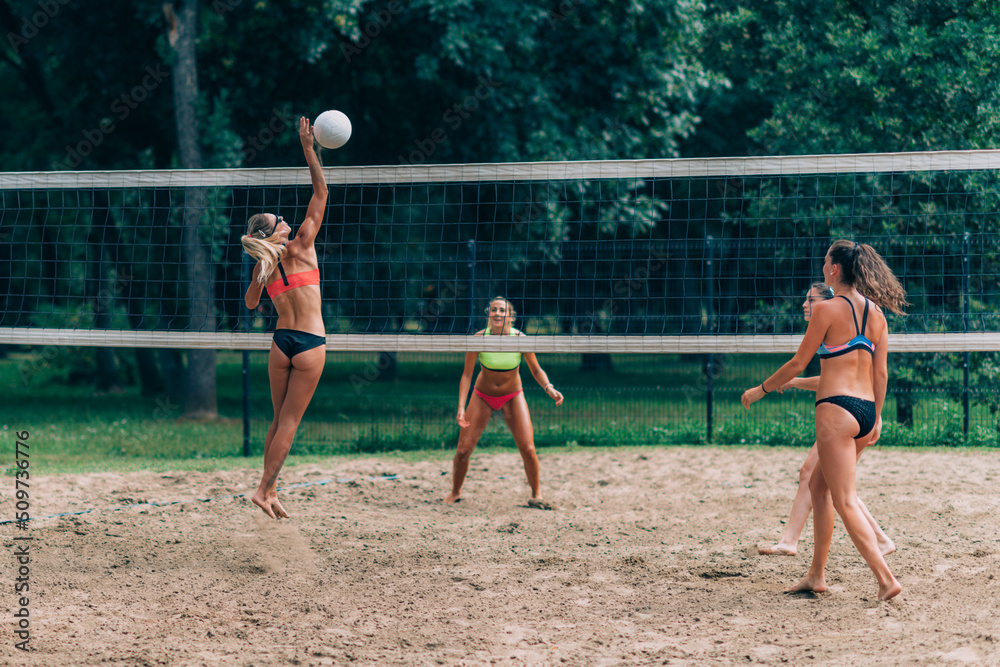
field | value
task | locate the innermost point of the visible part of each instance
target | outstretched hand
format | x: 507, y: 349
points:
x: 306, y: 134
x: 751, y: 396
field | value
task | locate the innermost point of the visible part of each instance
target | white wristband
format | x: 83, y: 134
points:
x: 546, y: 387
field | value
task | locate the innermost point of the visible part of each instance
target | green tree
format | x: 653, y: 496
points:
x: 184, y: 28
x: 427, y: 81
x: 836, y: 76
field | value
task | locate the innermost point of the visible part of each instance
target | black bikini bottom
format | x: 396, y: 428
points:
x: 863, y: 411
x: 291, y: 341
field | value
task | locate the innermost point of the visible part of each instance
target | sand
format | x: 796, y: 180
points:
x: 647, y: 557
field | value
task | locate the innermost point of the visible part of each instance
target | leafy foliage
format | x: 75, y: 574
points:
x: 436, y: 81
x: 834, y: 76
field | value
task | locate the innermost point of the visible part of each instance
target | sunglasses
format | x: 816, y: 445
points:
x: 277, y: 219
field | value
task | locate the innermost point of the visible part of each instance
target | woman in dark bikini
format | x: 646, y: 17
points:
x: 850, y: 394
x: 290, y: 270
x: 802, y: 505
x: 498, y: 387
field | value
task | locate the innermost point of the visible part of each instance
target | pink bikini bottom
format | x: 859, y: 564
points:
x: 496, y: 402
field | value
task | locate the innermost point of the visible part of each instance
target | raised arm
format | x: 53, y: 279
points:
x: 541, y: 378
x: 317, y: 205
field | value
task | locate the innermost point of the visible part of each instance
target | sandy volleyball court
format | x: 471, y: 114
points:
x: 646, y: 559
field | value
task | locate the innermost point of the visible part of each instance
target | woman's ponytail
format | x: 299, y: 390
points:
x: 866, y: 271
x: 266, y: 249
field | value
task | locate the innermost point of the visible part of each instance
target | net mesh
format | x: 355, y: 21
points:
x: 365, y: 405
x: 634, y: 249
x: 675, y: 270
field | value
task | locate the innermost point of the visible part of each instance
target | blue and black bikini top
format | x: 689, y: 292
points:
x: 859, y: 342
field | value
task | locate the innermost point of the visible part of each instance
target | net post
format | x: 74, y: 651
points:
x: 710, y: 358
x: 470, y: 247
x: 245, y: 277
x: 965, y: 329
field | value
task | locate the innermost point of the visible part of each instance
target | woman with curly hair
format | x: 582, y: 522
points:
x: 850, y: 395
x: 802, y: 505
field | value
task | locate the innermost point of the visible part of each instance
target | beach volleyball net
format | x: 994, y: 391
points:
x: 704, y: 261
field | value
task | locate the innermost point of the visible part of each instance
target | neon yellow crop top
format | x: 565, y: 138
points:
x: 500, y: 361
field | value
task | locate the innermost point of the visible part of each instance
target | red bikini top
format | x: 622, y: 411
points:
x: 285, y: 283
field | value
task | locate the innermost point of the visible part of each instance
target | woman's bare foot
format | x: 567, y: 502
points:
x: 808, y: 583
x: 892, y: 590
x: 452, y: 498
x: 885, y: 546
x: 279, y: 510
x: 271, y: 506
x: 778, y: 549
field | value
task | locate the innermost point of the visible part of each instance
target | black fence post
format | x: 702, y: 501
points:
x: 245, y: 277
x: 470, y: 246
x: 710, y: 359
x: 965, y: 328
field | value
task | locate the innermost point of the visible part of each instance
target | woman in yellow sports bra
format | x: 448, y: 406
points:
x: 290, y: 270
x: 498, y: 387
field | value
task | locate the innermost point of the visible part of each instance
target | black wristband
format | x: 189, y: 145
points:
x: 762, y: 388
